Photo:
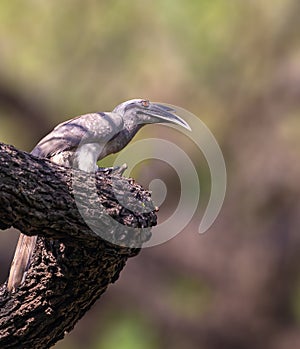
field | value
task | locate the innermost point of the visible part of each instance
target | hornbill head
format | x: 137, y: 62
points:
x: 142, y: 112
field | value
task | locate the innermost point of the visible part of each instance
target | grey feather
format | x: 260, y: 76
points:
x: 89, y: 128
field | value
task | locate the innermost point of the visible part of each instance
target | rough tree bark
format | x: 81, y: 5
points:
x: 72, y: 264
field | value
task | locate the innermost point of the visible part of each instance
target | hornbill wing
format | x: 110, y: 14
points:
x: 88, y: 128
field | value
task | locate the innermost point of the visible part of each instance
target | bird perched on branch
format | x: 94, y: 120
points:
x: 81, y: 142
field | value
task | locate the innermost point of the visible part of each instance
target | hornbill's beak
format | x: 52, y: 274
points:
x: 165, y: 113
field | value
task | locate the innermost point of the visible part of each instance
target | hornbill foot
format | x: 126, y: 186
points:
x: 116, y: 170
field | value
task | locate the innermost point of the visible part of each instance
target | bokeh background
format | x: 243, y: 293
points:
x: 235, y: 64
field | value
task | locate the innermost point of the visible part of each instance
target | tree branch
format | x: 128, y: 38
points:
x: 73, y: 264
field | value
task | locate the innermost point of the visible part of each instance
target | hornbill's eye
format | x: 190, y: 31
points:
x: 145, y: 103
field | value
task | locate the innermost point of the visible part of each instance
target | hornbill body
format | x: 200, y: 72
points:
x: 81, y: 142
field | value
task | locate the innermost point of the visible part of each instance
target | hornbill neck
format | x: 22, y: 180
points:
x: 120, y: 140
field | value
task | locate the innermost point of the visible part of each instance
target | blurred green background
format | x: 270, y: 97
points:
x: 235, y: 64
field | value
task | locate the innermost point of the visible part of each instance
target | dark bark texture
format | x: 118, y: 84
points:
x: 88, y: 226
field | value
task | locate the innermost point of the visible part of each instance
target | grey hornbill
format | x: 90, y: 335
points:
x: 80, y: 143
